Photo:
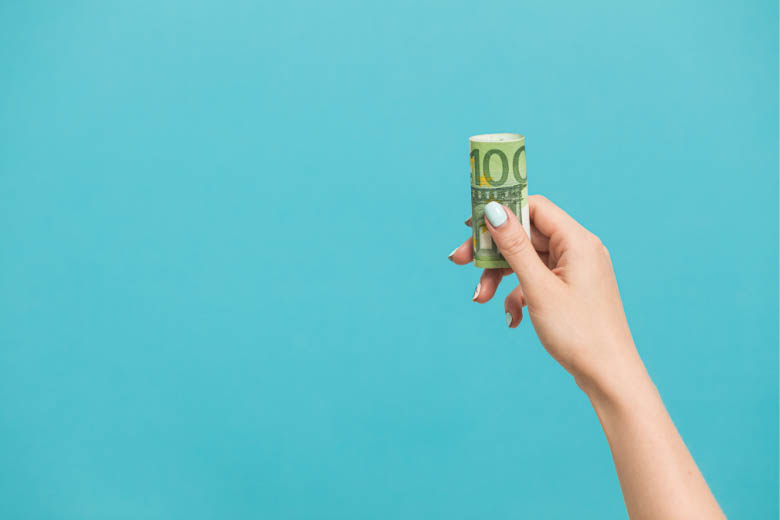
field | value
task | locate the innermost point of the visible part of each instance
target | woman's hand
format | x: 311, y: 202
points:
x: 567, y: 282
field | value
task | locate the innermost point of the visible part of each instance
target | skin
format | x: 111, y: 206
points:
x: 567, y: 284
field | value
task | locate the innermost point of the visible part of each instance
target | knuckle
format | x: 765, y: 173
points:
x: 595, y: 241
x: 598, y: 247
x: 589, y: 243
x: 515, y: 244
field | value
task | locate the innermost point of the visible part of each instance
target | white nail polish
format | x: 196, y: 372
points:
x: 508, y: 319
x: 476, y: 292
x: 495, y: 213
x: 452, y: 254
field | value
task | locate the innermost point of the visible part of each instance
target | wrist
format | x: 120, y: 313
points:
x: 620, y: 380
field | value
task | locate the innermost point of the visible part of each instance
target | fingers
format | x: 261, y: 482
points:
x: 513, y: 305
x: 463, y: 254
x: 540, y: 241
x: 549, y: 218
x: 488, y: 284
x: 516, y: 246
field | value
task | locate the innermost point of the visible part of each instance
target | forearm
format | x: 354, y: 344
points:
x: 657, y: 474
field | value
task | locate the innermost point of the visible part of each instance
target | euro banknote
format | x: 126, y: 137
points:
x: 498, y: 173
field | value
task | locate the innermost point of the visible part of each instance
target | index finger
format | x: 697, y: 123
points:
x: 549, y: 218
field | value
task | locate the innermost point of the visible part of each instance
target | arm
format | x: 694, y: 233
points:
x: 567, y: 283
x: 657, y: 474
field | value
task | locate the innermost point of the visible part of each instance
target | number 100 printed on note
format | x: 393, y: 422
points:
x: 497, y: 174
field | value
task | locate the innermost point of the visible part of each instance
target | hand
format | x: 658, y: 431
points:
x: 567, y: 282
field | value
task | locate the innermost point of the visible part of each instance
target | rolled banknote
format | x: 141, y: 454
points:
x: 497, y: 173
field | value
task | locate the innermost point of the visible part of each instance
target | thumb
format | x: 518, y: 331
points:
x: 513, y: 242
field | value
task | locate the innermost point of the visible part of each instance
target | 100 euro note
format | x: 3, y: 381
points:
x: 498, y: 174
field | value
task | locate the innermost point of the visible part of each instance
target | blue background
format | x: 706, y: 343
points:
x: 224, y: 290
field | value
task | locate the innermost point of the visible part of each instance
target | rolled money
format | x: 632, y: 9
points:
x: 497, y: 174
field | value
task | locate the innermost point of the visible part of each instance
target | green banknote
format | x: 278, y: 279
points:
x: 497, y: 173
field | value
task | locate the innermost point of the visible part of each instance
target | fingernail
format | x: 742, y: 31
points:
x: 476, y: 292
x: 495, y: 213
x: 508, y: 319
x: 452, y: 254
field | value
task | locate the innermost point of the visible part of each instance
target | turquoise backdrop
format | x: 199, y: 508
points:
x: 224, y: 290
